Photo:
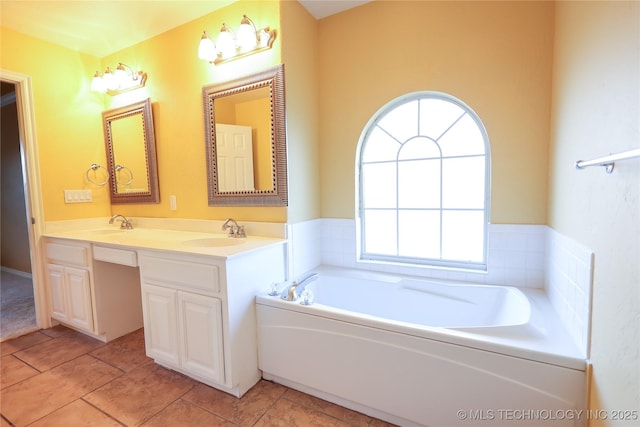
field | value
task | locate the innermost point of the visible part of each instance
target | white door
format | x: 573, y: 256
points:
x: 234, y: 155
x: 160, y: 325
x: 201, y: 334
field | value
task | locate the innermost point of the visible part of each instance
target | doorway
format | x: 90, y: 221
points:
x: 22, y: 213
x: 17, y: 311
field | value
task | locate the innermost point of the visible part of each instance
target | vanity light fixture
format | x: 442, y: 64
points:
x: 121, y: 80
x: 229, y: 46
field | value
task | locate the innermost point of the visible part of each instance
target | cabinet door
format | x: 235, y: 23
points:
x: 160, y: 323
x: 201, y: 336
x: 79, y: 306
x: 57, y: 288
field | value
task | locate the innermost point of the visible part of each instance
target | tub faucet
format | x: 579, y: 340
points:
x: 293, y: 291
x: 124, y: 222
x: 235, y: 230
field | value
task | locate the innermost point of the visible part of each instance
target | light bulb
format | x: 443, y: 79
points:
x: 265, y: 38
x: 109, y: 80
x: 247, y: 38
x: 206, y: 50
x: 122, y: 78
x: 225, y: 43
x: 97, y: 84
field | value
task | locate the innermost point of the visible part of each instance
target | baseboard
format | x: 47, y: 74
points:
x: 16, y: 272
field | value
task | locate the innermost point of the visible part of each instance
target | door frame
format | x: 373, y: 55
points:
x: 32, y: 189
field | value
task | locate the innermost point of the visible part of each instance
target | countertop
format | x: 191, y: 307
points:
x: 189, y: 242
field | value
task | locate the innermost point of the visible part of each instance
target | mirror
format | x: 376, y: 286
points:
x: 245, y: 136
x: 131, y: 153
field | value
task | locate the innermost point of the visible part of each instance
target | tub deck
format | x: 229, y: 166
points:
x: 541, y: 338
x: 417, y: 375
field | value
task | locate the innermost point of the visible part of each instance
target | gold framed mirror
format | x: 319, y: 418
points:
x: 245, y: 138
x: 131, y: 153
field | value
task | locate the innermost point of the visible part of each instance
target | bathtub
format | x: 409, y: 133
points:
x: 420, y: 352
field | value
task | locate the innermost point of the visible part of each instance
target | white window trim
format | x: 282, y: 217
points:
x: 421, y: 262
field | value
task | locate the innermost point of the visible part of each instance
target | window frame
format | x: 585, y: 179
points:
x: 361, y: 255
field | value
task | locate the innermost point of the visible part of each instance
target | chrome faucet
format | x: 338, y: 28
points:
x: 124, y: 222
x: 293, y: 291
x: 235, y: 230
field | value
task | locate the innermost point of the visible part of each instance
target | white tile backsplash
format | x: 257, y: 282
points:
x: 568, y: 284
x: 530, y: 256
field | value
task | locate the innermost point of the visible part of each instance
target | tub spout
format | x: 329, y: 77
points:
x: 293, y: 292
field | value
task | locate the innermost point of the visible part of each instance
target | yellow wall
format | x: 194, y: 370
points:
x: 494, y: 56
x: 175, y: 80
x: 68, y: 121
x: 596, y: 111
x: 302, y: 74
x: 174, y: 85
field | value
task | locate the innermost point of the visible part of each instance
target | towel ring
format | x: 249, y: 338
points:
x: 94, y: 167
x: 120, y: 168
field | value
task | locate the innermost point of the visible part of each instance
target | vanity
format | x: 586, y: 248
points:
x: 192, y: 290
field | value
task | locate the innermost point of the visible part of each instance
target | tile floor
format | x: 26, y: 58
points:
x: 59, y: 377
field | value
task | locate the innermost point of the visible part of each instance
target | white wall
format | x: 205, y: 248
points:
x: 596, y: 111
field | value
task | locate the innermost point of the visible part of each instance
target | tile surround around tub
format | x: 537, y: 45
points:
x: 569, y: 284
x: 516, y: 253
x: 526, y: 256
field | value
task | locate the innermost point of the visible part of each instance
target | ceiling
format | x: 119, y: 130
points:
x: 88, y: 25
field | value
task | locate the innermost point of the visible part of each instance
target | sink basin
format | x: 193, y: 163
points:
x: 212, y: 242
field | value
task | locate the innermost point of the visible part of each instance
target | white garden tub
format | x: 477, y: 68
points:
x: 424, y: 352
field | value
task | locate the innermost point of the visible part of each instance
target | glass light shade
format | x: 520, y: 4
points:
x: 206, y: 50
x: 109, y: 80
x: 122, y: 78
x: 247, y: 38
x: 97, y: 84
x: 225, y: 43
x: 265, y: 38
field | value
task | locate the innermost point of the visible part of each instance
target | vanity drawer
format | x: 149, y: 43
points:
x: 183, y: 273
x: 68, y: 254
x: 115, y: 256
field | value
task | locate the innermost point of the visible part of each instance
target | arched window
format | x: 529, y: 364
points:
x: 423, y: 169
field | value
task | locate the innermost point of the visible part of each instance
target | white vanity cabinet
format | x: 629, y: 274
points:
x: 199, y: 313
x: 183, y: 314
x: 93, y: 288
x: 69, y: 276
x: 192, y: 291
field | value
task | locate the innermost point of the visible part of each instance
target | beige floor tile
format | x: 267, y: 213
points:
x: 35, y: 397
x: 116, y: 384
x: 380, y: 423
x: 126, y: 352
x: 57, y: 331
x: 352, y: 417
x: 59, y: 350
x: 245, y: 411
x: 140, y: 393
x: 13, y: 371
x: 20, y: 343
x: 286, y: 413
x: 183, y: 413
x: 77, y: 413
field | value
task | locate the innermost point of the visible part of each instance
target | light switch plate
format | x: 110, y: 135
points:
x: 78, y: 196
